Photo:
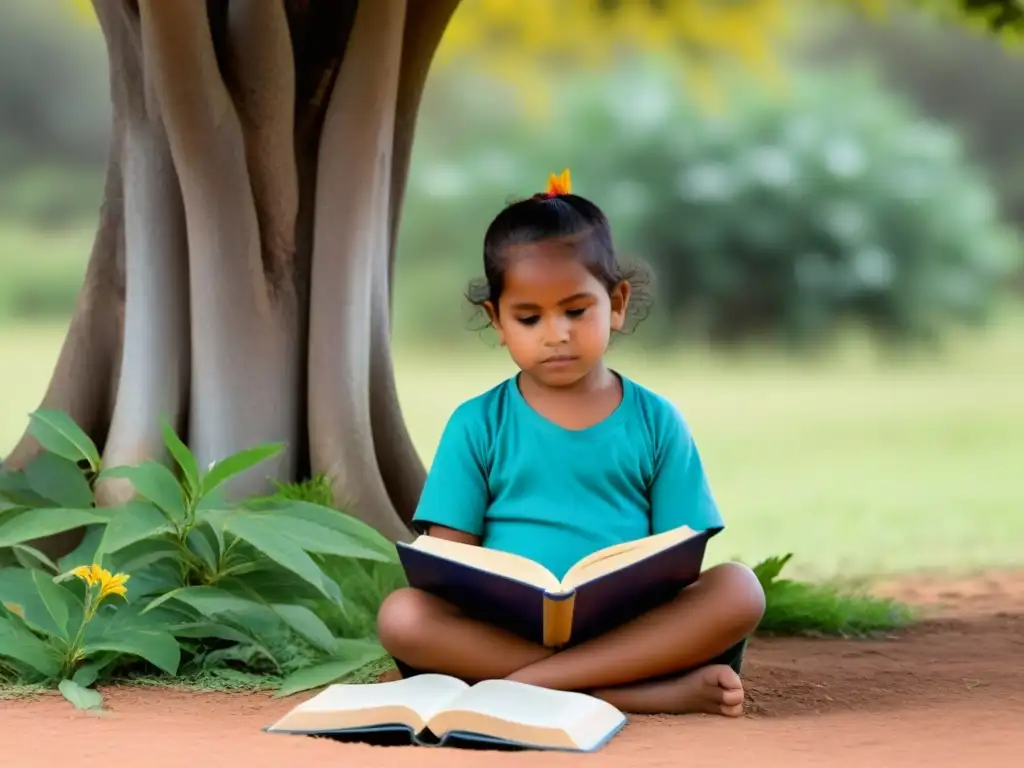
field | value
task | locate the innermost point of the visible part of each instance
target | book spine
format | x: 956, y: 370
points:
x: 558, y: 614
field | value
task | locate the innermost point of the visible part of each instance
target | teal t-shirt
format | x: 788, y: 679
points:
x: 528, y: 486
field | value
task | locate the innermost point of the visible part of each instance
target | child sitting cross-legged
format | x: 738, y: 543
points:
x: 564, y: 458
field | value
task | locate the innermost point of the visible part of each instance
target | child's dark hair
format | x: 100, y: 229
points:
x: 565, y: 217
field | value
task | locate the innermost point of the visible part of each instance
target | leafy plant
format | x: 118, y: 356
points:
x: 804, y: 608
x: 259, y: 583
x: 316, y: 490
x: 54, y: 634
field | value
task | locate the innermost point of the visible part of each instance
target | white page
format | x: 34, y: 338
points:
x: 540, y: 707
x: 425, y: 694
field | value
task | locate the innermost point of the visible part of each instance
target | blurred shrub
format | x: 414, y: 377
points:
x: 784, y: 217
x: 41, y: 271
x: 54, y: 115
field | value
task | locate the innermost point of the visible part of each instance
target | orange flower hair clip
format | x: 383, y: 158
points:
x: 559, y: 185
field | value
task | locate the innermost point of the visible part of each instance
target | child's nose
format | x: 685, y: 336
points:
x: 557, y: 331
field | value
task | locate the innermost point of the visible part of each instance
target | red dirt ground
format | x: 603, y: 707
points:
x: 949, y: 692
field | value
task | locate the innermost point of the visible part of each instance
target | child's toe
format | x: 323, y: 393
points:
x: 732, y: 697
x: 734, y: 710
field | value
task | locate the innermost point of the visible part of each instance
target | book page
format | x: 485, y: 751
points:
x: 529, y: 714
x: 491, y: 560
x: 613, y: 558
x: 412, y: 701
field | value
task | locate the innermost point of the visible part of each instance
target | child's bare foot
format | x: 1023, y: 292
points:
x: 715, y: 690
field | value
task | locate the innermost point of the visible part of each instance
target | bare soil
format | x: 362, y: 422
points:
x: 948, y: 692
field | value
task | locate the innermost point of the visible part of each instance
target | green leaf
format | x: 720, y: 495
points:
x: 237, y: 463
x: 85, y: 552
x: 155, y: 482
x: 210, y: 629
x: 768, y: 570
x: 157, y: 602
x: 30, y: 557
x: 313, y: 537
x: 87, y: 674
x: 158, y: 648
x: 33, y: 524
x: 272, y: 583
x: 80, y: 696
x: 357, y: 655
x: 58, y: 433
x: 214, y: 602
x: 307, y: 624
x: 60, y: 481
x: 15, y: 488
x: 60, y: 604
x: 198, y: 541
x: 183, y: 456
x: 132, y: 523
x: 334, y: 519
x: 213, y: 521
x: 18, y: 643
x: 154, y: 565
x: 282, y: 551
x: 47, y: 608
x: 225, y: 631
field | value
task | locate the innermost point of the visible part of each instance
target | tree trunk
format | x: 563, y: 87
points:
x: 240, y: 279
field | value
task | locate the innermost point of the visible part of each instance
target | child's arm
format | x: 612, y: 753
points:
x: 456, y: 494
x: 680, y: 493
x: 453, y: 534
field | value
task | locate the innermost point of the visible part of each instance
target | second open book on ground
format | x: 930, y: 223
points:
x: 609, y: 586
x: 438, y: 710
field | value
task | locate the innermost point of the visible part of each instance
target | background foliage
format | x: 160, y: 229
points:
x: 783, y: 219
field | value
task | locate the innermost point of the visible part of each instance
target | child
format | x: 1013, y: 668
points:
x: 565, y: 458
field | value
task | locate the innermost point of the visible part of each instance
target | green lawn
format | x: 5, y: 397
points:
x: 856, y: 465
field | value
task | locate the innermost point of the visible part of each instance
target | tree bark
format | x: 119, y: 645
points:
x: 401, y: 469
x: 350, y: 252
x: 240, y: 280
x: 155, y: 362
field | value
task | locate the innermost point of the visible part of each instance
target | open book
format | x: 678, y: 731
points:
x: 602, y: 590
x: 437, y: 710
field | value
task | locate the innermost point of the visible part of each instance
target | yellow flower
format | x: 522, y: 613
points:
x: 90, y: 574
x: 109, y: 584
x: 561, y: 184
x: 113, y: 585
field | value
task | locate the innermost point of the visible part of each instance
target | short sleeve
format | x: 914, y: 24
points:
x: 456, y: 494
x: 680, y: 493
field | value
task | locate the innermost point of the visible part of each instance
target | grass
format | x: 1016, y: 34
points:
x: 231, y: 680
x: 822, y: 609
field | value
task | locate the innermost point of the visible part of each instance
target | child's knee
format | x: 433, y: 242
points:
x: 737, y: 586
x: 403, y: 617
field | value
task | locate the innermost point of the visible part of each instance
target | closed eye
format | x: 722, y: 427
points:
x: 574, y: 313
x: 531, y: 320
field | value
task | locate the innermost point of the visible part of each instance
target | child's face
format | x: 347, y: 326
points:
x: 554, y: 316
